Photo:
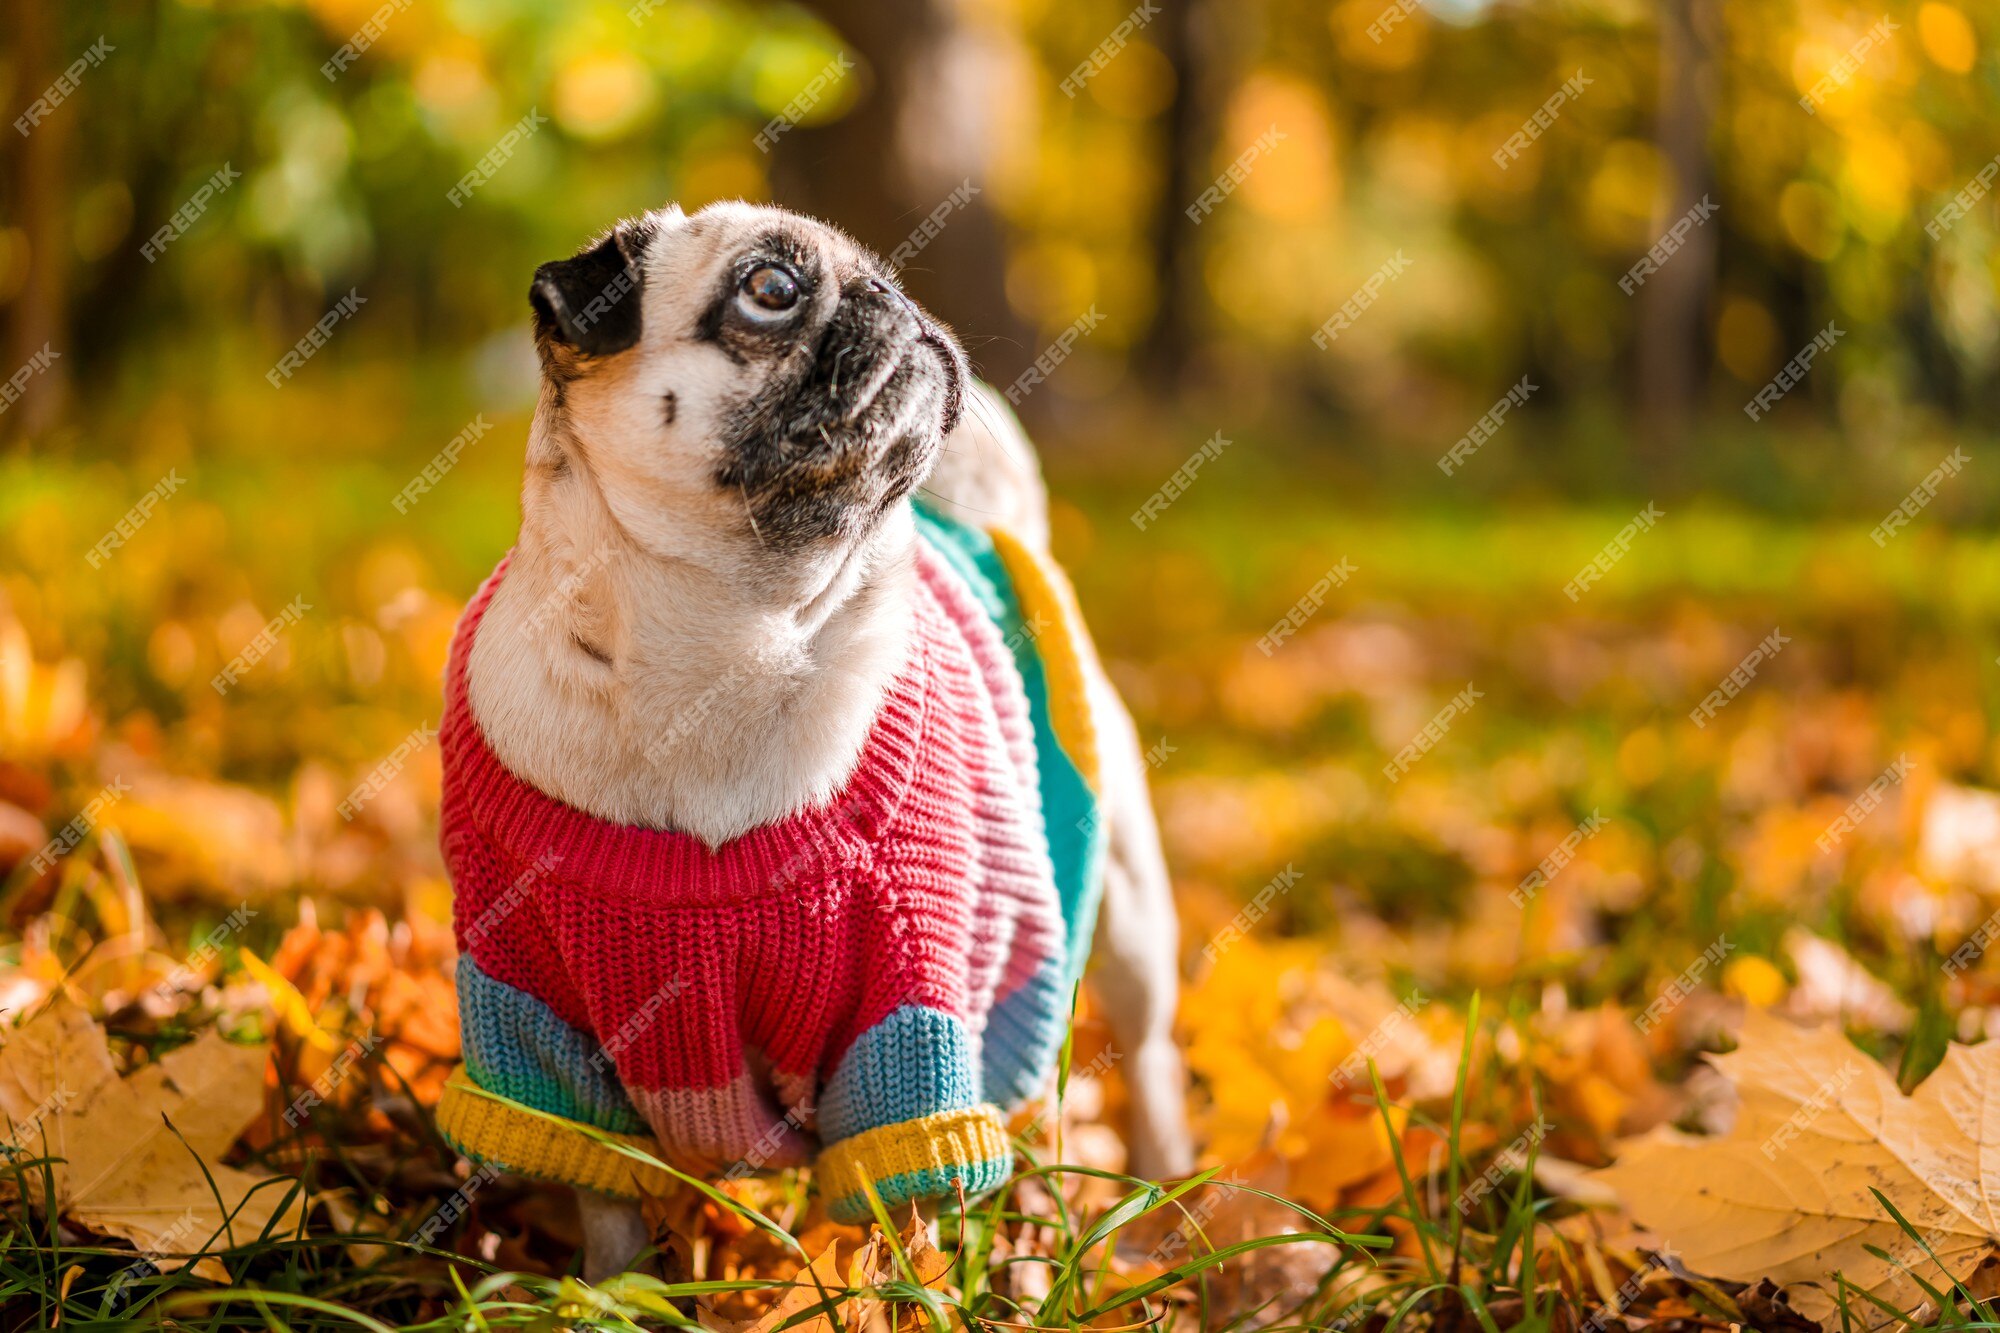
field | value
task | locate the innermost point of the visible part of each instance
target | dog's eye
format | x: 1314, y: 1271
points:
x: 769, y: 290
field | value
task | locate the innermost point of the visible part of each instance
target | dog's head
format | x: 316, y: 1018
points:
x: 738, y: 380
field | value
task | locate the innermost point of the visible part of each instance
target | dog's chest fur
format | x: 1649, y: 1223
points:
x: 660, y: 696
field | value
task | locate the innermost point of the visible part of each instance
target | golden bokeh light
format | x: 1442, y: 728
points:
x: 1947, y: 37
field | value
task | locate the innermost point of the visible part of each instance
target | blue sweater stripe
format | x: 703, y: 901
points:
x: 515, y: 1045
x: 1024, y: 1033
x: 916, y: 1062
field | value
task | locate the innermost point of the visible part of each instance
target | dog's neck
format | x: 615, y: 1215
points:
x: 683, y: 693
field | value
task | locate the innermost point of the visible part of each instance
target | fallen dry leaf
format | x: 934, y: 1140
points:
x: 1834, y: 984
x: 129, y: 1146
x: 876, y: 1263
x: 44, y: 707
x: 814, y: 1284
x: 1787, y: 1193
x: 1958, y: 840
x: 927, y: 1262
x: 390, y: 982
x: 21, y: 835
x: 202, y: 840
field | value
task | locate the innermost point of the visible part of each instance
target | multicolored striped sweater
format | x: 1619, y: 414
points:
x: 864, y: 986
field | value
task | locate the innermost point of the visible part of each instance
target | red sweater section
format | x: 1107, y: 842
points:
x: 926, y: 882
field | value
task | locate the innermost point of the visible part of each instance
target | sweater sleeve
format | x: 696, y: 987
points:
x: 903, y: 1108
x: 903, y: 1112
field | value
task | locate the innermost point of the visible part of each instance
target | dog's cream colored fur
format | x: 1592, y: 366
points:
x: 647, y: 659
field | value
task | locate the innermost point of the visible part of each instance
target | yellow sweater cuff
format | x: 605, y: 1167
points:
x: 930, y: 1157
x: 490, y: 1128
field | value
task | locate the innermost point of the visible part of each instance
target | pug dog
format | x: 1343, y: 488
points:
x: 716, y: 544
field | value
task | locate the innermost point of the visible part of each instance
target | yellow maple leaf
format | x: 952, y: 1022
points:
x: 1788, y: 1193
x: 294, y: 1014
x: 136, y: 1154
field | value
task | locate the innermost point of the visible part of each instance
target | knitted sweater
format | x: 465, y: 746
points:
x: 863, y: 985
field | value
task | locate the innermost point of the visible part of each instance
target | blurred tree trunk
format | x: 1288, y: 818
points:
x: 1674, y: 301
x: 922, y: 129
x: 37, y: 183
x: 1196, y: 37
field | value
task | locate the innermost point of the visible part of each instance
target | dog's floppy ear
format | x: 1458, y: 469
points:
x: 592, y: 302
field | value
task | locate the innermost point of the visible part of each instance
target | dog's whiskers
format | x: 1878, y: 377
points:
x: 750, y: 512
x: 987, y: 413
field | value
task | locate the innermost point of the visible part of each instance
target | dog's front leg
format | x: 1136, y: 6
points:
x: 614, y: 1232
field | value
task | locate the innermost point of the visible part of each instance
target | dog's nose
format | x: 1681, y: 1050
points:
x: 887, y: 288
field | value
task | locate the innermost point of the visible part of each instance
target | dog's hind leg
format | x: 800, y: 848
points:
x: 1137, y: 954
x: 989, y: 474
x: 614, y: 1232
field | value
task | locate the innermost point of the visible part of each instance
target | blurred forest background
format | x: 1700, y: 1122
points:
x: 1390, y: 115
x: 215, y: 178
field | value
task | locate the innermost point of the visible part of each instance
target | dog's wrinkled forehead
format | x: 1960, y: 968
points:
x: 595, y: 302
x: 727, y: 236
